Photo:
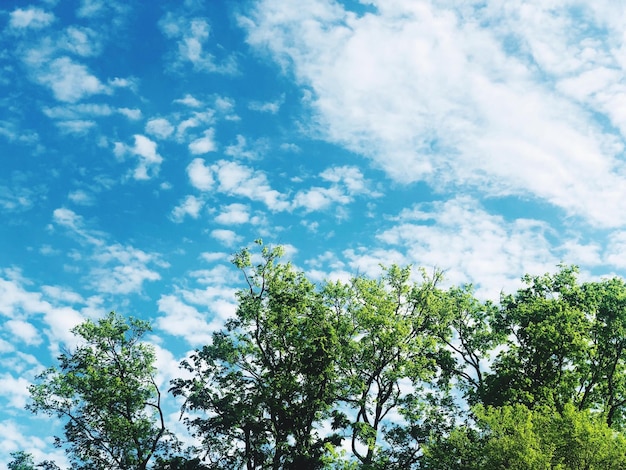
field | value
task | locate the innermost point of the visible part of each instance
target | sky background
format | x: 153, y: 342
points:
x: 144, y: 142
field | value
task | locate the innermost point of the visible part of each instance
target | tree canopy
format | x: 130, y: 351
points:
x: 389, y: 373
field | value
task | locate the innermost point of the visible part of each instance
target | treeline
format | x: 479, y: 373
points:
x: 368, y: 374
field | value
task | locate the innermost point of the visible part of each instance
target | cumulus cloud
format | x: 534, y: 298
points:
x: 317, y: 198
x: 204, y: 144
x: 160, y: 128
x: 24, y: 331
x: 189, y: 100
x: 70, y: 81
x: 123, y: 269
x: 32, y: 17
x: 241, y: 148
x: 226, y: 237
x: 183, y: 320
x: 16, y: 199
x: 82, y: 41
x: 190, y: 206
x: 149, y: 160
x: 469, y: 244
x: 200, y: 175
x: 233, y: 214
x: 240, y: 180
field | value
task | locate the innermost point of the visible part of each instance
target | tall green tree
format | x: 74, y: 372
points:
x: 547, y: 330
x: 260, y: 391
x: 388, y: 353
x: 105, y: 392
x: 602, y: 372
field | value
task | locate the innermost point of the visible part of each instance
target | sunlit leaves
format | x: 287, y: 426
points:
x: 105, y: 392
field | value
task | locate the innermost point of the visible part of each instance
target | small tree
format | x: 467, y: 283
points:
x: 106, y: 393
x: 21, y: 461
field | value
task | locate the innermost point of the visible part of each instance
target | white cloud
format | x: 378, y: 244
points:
x: 84, y: 42
x: 468, y: 243
x: 15, y: 390
x: 69, y: 81
x: 226, y: 237
x: 16, y: 300
x: 240, y: 180
x: 118, y: 269
x: 32, y: 17
x: 24, y: 331
x: 15, y: 199
x: 190, y: 206
x: 214, y: 256
x: 131, y: 113
x: 90, y: 8
x: 76, y: 127
x: 347, y: 182
x: 71, y: 220
x: 81, y: 197
x: 118, y: 82
x: 197, y: 119
x: 350, y: 177
x: 190, y: 101
x: 452, y: 105
x: 315, y: 199
x: 192, y: 36
x: 615, y: 249
x: 78, y: 111
x: 271, y: 107
x: 204, y: 144
x: 149, y: 159
x: 183, y: 320
x: 123, y: 269
x: 200, y: 175
x: 160, y: 128
x: 241, y: 150
x: 233, y: 214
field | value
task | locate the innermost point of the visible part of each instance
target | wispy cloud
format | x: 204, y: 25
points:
x: 192, y: 44
x: 454, y: 104
x: 115, y: 268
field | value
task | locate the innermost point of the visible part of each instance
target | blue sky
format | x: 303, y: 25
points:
x: 142, y: 143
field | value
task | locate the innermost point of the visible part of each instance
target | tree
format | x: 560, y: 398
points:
x: 548, y: 330
x: 388, y: 352
x: 602, y: 373
x: 21, y: 461
x: 514, y: 436
x: 466, y: 328
x: 260, y: 390
x: 105, y: 392
x: 24, y: 461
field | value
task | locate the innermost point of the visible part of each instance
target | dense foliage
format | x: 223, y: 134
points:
x: 387, y: 373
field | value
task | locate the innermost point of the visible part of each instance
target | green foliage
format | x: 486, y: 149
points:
x: 266, y: 381
x: 21, y: 461
x: 514, y: 436
x: 105, y: 392
x: 411, y: 375
x: 385, y: 336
